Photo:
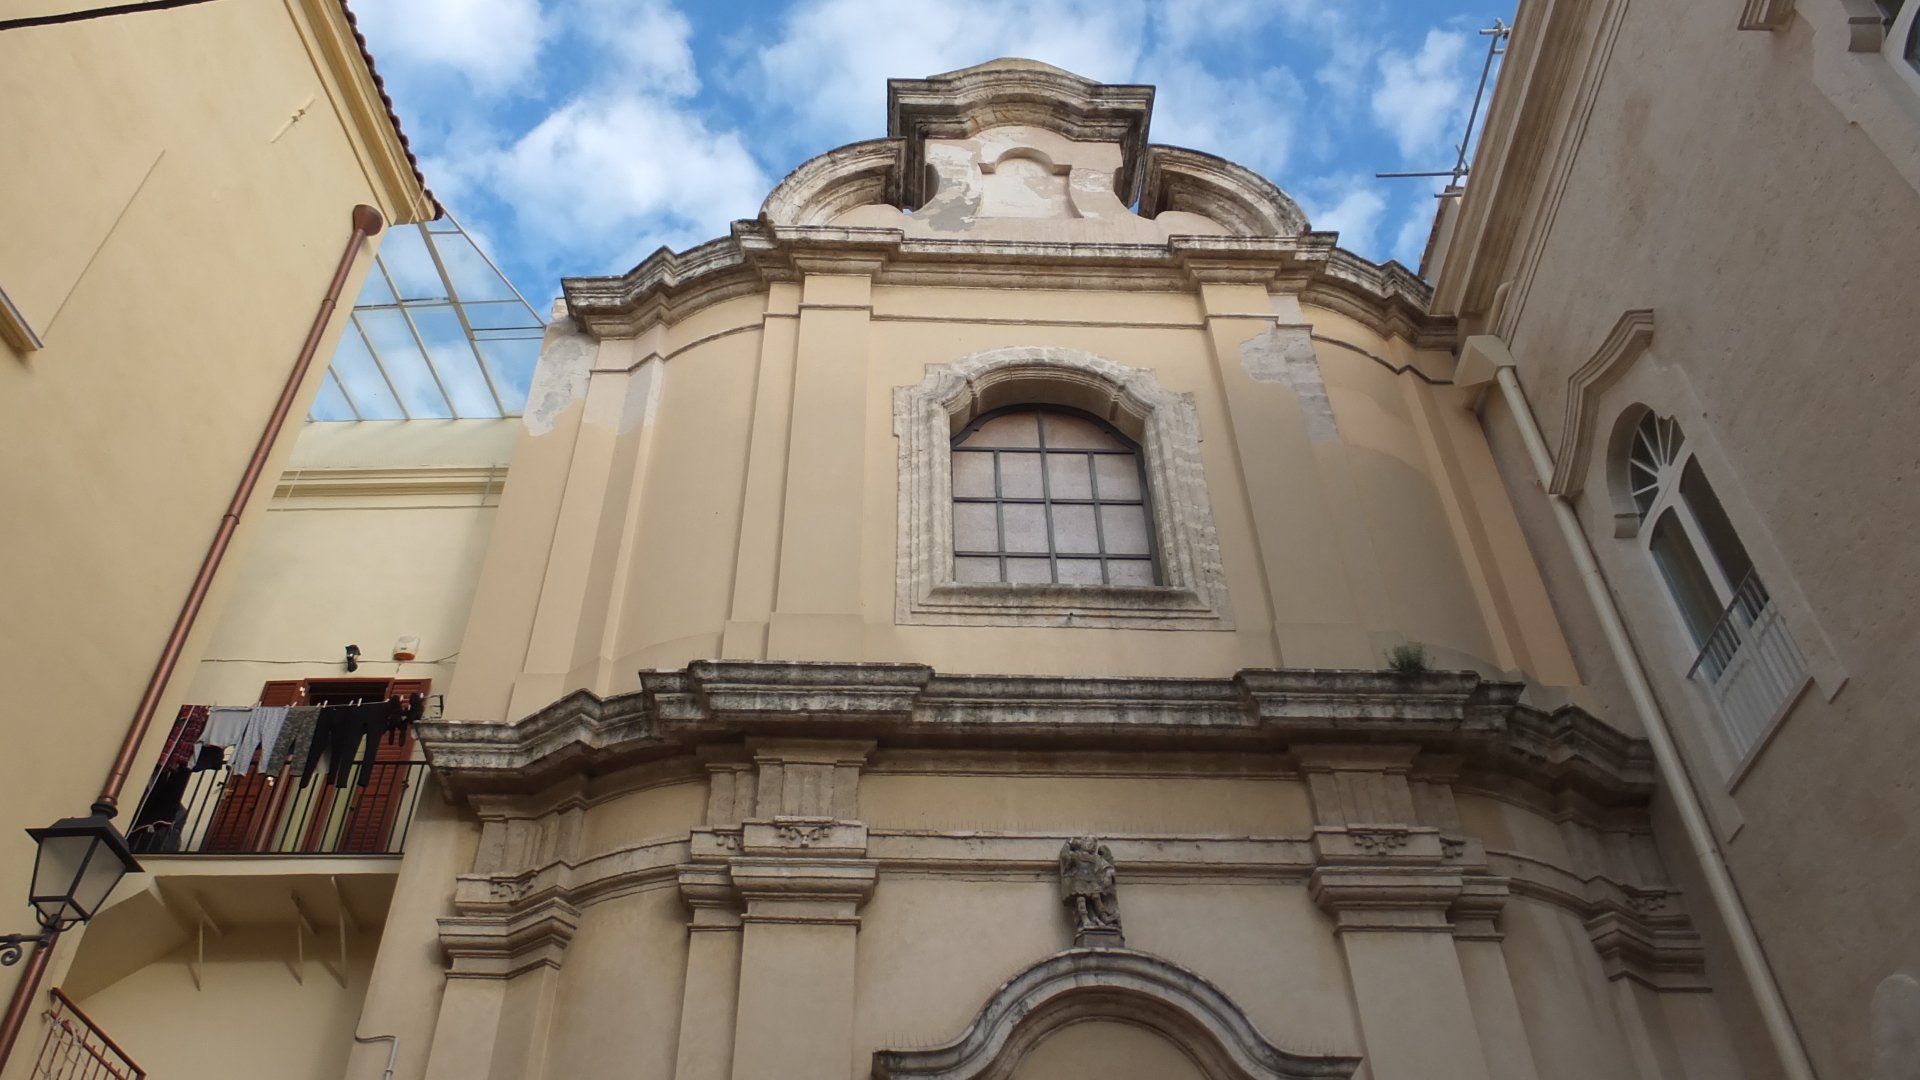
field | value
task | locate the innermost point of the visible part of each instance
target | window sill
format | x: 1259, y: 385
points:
x: 1131, y: 607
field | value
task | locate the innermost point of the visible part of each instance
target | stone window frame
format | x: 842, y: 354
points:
x: 1166, y: 427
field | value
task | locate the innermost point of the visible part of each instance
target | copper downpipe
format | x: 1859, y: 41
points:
x: 22, y: 1002
x: 367, y: 222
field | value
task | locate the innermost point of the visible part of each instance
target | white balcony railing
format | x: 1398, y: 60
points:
x: 1750, y: 667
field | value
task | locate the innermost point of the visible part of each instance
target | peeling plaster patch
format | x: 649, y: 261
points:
x: 561, y: 377
x: 1285, y: 355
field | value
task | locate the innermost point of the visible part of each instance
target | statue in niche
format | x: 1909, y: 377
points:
x: 1087, y: 888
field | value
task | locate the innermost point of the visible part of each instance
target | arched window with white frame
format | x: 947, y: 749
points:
x: 1743, y: 658
x: 1901, y: 46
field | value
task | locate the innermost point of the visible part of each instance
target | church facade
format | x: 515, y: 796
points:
x: 1067, y: 628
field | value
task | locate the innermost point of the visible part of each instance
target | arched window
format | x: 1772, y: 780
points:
x: 1745, y: 660
x: 1901, y: 45
x: 1046, y: 494
x: 1045, y: 486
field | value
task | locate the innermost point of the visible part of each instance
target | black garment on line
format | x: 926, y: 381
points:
x: 339, y: 732
x: 403, y: 715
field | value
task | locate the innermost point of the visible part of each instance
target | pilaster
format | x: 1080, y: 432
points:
x: 576, y: 609
x: 757, y: 561
x: 1305, y: 576
x: 711, y: 993
x: 817, y: 602
x: 802, y: 878
x: 1391, y: 885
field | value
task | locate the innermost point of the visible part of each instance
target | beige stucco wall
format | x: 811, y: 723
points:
x: 946, y: 925
x: 664, y: 540
x: 179, y: 190
x: 1748, y: 187
x: 375, y: 530
x: 257, y: 1009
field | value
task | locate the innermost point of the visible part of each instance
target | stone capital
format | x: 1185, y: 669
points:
x: 502, y: 946
x: 1386, y: 898
x: 786, y: 889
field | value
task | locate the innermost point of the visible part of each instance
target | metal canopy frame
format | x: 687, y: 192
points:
x: 491, y: 388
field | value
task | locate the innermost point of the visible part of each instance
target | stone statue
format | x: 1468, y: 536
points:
x: 1087, y: 888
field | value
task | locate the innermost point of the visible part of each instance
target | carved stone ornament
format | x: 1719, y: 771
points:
x: 1088, y: 889
x: 1378, y: 841
x: 1110, y: 984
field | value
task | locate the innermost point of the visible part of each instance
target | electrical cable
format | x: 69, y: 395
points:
x: 93, y: 13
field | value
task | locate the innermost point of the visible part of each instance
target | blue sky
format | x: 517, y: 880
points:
x: 577, y: 136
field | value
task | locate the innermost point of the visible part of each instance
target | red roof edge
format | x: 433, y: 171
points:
x: 392, y: 116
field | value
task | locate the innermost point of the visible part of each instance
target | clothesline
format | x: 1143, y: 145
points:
x: 278, y: 736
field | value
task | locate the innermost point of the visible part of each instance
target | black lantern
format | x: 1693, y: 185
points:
x: 79, y: 862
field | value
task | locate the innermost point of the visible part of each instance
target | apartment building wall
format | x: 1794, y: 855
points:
x: 179, y: 189
x: 1754, y: 191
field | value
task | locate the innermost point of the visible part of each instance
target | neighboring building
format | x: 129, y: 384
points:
x: 179, y: 187
x: 1690, y: 232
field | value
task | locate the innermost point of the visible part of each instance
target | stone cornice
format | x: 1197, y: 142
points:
x: 1217, y: 189
x: 961, y: 104
x: 1526, y: 147
x: 908, y: 705
x: 670, y: 286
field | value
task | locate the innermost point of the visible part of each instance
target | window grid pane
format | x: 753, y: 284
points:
x: 1054, y: 507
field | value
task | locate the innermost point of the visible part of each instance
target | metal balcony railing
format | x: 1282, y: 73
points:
x: 77, y: 1050
x: 1750, y: 667
x: 222, y: 813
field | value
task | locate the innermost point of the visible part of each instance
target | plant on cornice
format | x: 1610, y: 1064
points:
x: 1408, y: 660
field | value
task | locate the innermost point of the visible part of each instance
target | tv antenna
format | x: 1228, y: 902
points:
x: 1496, y: 36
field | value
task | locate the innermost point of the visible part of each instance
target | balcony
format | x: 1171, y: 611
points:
x: 223, y: 813
x: 75, y: 1049
x: 1750, y: 668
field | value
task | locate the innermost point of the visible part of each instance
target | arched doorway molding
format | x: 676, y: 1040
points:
x: 1118, y: 985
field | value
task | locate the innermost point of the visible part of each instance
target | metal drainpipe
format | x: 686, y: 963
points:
x: 366, y: 222
x: 393, y: 1049
x: 1693, y: 818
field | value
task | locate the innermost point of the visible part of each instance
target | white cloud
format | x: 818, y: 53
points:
x: 1248, y: 120
x: 1421, y: 98
x: 830, y: 64
x: 1351, y: 206
x: 648, y: 42
x: 491, y: 43
x: 611, y: 177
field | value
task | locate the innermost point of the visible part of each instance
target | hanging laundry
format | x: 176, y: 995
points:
x: 341, y: 731
x: 226, y: 724
x: 263, y: 730
x: 156, y: 824
x: 402, y: 713
x: 296, y: 735
x: 185, y: 735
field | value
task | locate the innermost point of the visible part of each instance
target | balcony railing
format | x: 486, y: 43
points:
x: 1750, y: 667
x: 222, y: 813
x: 77, y: 1050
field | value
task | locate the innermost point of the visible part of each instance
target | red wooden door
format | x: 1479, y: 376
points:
x: 244, y: 816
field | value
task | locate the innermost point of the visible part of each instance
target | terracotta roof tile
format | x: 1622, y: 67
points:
x: 394, y: 117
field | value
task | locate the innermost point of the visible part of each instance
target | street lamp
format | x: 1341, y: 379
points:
x: 75, y: 867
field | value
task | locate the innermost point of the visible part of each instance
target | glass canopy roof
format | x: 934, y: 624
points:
x: 438, y: 332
